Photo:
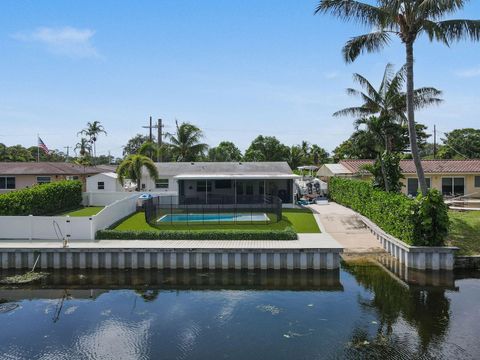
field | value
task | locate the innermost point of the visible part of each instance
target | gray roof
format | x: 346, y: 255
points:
x: 224, y: 169
x: 46, y: 168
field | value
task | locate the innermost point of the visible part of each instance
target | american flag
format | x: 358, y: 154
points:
x: 42, y: 146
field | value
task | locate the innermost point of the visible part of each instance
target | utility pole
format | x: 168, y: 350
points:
x: 159, y: 140
x: 68, y: 151
x: 434, y: 141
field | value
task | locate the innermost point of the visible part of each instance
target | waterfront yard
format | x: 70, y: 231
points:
x: 465, y: 231
x: 84, y: 211
x: 301, y: 220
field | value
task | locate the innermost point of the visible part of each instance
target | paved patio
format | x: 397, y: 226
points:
x: 342, y: 225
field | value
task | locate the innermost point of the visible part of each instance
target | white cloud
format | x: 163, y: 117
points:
x: 67, y: 41
x: 469, y: 73
x: 331, y: 75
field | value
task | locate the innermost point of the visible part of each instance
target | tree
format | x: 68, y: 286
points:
x: 461, y: 143
x: 134, y: 144
x: 84, y: 147
x: 407, y: 20
x: 53, y: 154
x: 153, y: 151
x: 296, y: 156
x: 267, y: 148
x: 186, y: 144
x: 318, y: 155
x: 388, y: 103
x: 132, y: 167
x: 225, y: 151
x: 18, y: 153
x: 93, y: 130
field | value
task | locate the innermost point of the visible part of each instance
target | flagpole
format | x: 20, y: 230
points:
x: 38, y: 148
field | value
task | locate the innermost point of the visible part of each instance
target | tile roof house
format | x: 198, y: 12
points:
x: 19, y: 175
x: 451, y: 177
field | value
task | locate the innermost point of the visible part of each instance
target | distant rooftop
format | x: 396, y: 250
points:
x: 46, y: 168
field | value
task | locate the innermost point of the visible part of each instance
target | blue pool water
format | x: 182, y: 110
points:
x: 224, y: 217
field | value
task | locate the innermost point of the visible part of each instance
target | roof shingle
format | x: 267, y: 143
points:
x: 429, y: 166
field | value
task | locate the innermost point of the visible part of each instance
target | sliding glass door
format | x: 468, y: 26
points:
x: 453, y: 186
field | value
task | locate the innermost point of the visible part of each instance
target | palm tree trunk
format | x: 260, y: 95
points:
x: 412, y: 133
x: 384, y: 173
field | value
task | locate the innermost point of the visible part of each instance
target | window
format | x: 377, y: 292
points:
x: 7, y: 182
x: 412, y: 186
x: 101, y: 185
x: 72, y: 177
x: 204, y: 185
x: 477, y: 181
x: 43, y: 179
x: 223, y: 184
x: 249, y: 189
x: 161, y: 184
x: 453, y: 186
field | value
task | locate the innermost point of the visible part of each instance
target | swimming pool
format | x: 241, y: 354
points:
x: 223, y: 217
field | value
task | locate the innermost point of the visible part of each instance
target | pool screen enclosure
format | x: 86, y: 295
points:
x: 163, y: 210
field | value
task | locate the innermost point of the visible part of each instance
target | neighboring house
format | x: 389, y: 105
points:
x: 451, y: 177
x: 223, y: 181
x: 107, y: 181
x: 20, y: 175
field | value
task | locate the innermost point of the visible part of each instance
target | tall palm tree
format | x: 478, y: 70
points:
x: 93, y: 130
x: 406, y: 19
x: 388, y: 102
x: 186, y: 143
x: 83, y: 146
x: 132, y: 167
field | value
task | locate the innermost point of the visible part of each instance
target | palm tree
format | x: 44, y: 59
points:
x: 407, y: 19
x: 388, y: 103
x: 83, y: 146
x: 93, y: 130
x: 132, y: 167
x: 185, y: 143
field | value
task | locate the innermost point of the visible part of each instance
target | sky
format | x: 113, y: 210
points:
x: 236, y: 69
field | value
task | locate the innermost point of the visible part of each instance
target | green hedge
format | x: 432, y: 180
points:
x: 422, y: 221
x: 287, y: 234
x: 45, y: 199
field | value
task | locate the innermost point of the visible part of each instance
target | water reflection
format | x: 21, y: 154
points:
x: 361, y: 311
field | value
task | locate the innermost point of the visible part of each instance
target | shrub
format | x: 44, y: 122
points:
x: 287, y: 234
x: 422, y: 221
x: 42, y: 199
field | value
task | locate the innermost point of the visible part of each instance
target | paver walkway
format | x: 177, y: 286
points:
x: 342, y: 224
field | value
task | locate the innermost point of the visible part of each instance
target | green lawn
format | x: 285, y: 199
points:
x: 301, y: 220
x: 86, y: 211
x: 465, y: 231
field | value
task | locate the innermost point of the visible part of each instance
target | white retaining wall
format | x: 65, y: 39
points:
x: 416, y: 257
x: 59, y: 227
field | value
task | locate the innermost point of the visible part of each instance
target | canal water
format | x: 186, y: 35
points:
x: 362, y: 311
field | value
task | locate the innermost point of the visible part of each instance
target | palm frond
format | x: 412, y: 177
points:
x: 372, y: 42
x: 349, y: 10
x: 456, y: 30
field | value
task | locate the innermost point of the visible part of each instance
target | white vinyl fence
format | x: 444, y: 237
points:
x: 107, y: 198
x: 68, y: 227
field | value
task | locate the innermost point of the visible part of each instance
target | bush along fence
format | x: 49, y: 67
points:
x: 287, y: 234
x: 411, y: 230
x: 420, y: 221
x: 42, y: 199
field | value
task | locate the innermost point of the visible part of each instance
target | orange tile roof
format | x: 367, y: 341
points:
x: 429, y: 166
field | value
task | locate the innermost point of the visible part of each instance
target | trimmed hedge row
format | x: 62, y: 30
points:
x: 422, y: 221
x: 287, y: 234
x: 45, y: 199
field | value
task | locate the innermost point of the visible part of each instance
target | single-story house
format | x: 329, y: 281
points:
x: 212, y: 182
x: 20, y: 175
x: 451, y: 177
x: 107, y: 181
